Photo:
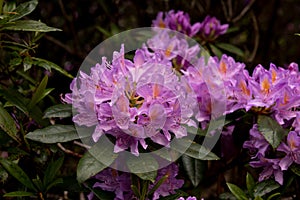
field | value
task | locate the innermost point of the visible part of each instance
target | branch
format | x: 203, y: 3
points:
x: 256, y: 40
x: 224, y: 10
x: 59, y: 43
x: 243, y: 12
x: 82, y: 145
x: 229, y: 2
x: 68, y: 151
x: 62, y: 45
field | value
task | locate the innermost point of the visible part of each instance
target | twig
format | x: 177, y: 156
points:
x: 68, y: 151
x: 59, y: 43
x: 229, y: 2
x: 81, y: 196
x: 62, y: 8
x: 256, y: 40
x: 224, y: 10
x: 65, y: 47
x: 71, y: 25
x: 200, y: 7
x: 243, y: 12
x: 82, y: 145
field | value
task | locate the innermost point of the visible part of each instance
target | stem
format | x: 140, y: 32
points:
x: 256, y: 40
x: 24, y: 138
x: 68, y: 151
x: 1, y: 6
x: 243, y: 12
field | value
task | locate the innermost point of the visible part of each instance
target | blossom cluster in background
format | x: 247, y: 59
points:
x: 168, y: 86
x: 120, y: 182
x: 208, y: 30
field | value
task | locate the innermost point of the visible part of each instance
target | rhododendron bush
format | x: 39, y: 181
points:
x: 168, y: 111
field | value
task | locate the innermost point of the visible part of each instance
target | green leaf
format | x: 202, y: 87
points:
x: 17, y: 172
x: 16, y: 153
x: 274, y: 195
x: 227, y: 196
x: 144, y: 188
x: 53, y: 183
x: 232, y: 29
x: 9, y: 6
x: 16, y: 99
x: 135, y: 191
x: 60, y: 110
x: 237, y: 192
x: 88, y: 166
x: 230, y: 48
x: 23, y: 10
x: 193, y: 149
x: 38, y: 183
x: 158, y: 184
x: 97, y: 158
x: 7, y: 124
x: 103, y: 31
x: 50, y: 65
x: 3, y: 175
x: 39, y: 93
x: 19, y: 194
x: 52, y: 170
x: 271, y: 130
x: 100, y: 194
x: 215, y: 50
x: 194, y: 168
x: 144, y: 166
x: 214, y: 125
x: 178, y: 194
x: 295, y: 169
x: 258, y: 198
x: 297, y: 34
x: 54, y: 134
x: 250, y: 183
x: 15, y: 61
x: 265, y: 187
x: 27, y: 63
x: 26, y: 76
x: 28, y: 25
x: 37, y: 115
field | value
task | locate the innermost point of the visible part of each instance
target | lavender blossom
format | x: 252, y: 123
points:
x: 133, y: 101
x: 292, y: 150
x: 215, y: 81
x: 275, y: 90
x: 120, y: 183
x: 257, y: 145
x: 111, y: 180
x: 296, y: 123
x: 270, y: 168
x: 189, y: 198
x: 170, y: 184
x: 178, y: 21
x: 211, y: 28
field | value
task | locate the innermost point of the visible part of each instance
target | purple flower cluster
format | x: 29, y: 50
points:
x: 132, y: 101
x: 211, y: 28
x: 113, y: 181
x: 189, y: 198
x: 170, y: 184
x: 274, y: 166
x: 120, y: 183
x: 208, y: 30
x: 274, y: 92
x: 168, y: 86
x: 178, y: 21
